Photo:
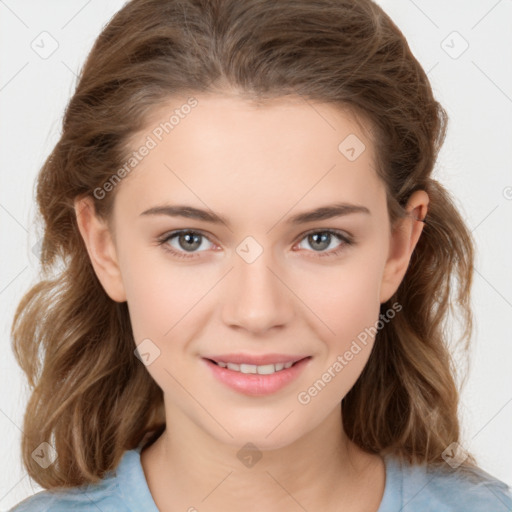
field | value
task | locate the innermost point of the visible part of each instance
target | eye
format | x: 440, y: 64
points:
x: 322, y: 239
x: 186, y: 240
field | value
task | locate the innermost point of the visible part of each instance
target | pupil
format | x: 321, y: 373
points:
x: 190, y: 238
x: 324, y: 238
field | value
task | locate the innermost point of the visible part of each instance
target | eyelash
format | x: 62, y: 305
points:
x: 347, y: 241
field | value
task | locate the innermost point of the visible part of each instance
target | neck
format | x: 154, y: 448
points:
x: 187, y: 468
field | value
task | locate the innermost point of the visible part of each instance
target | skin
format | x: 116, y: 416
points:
x: 256, y: 166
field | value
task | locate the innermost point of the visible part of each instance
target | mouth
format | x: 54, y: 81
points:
x: 254, y: 379
x: 263, y: 369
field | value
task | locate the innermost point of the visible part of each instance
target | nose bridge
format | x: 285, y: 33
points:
x: 257, y: 299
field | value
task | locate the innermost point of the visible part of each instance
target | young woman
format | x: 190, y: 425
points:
x: 255, y: 269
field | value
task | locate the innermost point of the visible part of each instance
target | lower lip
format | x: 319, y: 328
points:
x: 255, y: 384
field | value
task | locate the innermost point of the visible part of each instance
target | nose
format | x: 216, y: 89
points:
x: 256, y: 295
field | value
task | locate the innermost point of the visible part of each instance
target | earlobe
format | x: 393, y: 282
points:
x: 100, y: 247
x: 402, y: 244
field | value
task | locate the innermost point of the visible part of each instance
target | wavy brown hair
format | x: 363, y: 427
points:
x: 91, y: 397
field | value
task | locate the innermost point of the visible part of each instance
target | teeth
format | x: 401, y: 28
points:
x: 266, y: 369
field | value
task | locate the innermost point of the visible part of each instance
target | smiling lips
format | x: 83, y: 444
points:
x: 265, y: 369
x: 265, y: 364
x: 256, y: 359
x: 256, y: 375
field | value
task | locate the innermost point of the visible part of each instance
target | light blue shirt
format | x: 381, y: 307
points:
x: 407, y: 489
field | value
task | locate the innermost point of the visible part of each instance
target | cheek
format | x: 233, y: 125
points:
x: 346, y: 306
x: 159, y: 292
x: 344, y: 298
x: 161, y: 300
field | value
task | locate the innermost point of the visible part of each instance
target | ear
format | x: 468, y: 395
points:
x: 403, y: 241
x: 101, y: 248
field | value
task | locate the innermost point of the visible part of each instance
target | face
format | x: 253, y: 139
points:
x: 264, y: 283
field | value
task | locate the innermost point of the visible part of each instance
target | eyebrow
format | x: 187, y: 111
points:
x: 321, y: 213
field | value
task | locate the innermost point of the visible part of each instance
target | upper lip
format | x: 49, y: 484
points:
x: 257, y: 360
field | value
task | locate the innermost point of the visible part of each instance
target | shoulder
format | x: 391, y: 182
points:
x: 452, y: 490
x: 103, y: 496
x: 106, y: 495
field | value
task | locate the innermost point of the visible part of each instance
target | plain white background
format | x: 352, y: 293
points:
x: 474, y: 84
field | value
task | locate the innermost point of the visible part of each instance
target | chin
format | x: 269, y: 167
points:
x: 263, y: 438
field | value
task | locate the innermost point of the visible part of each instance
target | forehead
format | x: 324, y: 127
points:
x: 232, y: 151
